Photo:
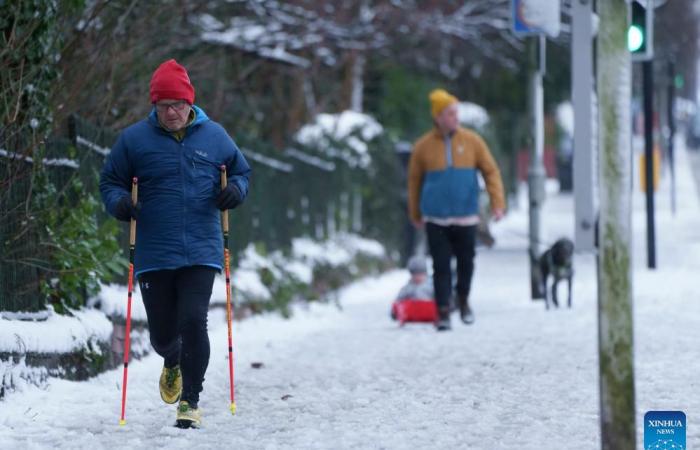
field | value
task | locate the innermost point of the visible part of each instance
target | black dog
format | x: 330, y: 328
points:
x: 558, y: 262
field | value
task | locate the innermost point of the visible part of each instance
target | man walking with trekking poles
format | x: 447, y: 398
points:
x: 177, y: 155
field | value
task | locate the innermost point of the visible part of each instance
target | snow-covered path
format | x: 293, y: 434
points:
x: 356, y: 381
x: 520, y: 377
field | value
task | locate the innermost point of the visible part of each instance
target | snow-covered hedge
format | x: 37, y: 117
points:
x: 309, y: 272
x: 57, y: 333
x: 268, y: 282
x: 15, y: 374
x: 345, y: 136
x: 75, y: 345
x: 472, y: 115
x: 112, y: 301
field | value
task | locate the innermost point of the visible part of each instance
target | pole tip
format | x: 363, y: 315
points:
x: 233, y: 408
x: 122, y: 422
x: 222, y: 167
x: 135, y: 180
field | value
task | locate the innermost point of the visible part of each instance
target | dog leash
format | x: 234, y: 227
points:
x: 527, y: 238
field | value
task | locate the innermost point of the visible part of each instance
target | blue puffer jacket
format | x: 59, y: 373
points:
x: 179, y: 224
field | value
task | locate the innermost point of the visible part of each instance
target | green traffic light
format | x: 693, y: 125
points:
x: 635, y: 38
x: 679, y: 81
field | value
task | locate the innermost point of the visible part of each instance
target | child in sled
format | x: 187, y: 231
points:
x: 416, y: 300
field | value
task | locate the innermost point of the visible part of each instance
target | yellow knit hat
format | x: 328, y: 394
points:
x: 439, y: 100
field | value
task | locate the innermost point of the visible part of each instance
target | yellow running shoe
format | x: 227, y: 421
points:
x: 170, y: 384
x: 188, y: 417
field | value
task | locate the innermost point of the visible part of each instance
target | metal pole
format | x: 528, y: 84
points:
x: 582, y: 89
x: 648, y: 82
x: 130, y: 290
x: 615, y: 282
x: 672, y: 132
x: 229, y: 303
x: 536, y: 172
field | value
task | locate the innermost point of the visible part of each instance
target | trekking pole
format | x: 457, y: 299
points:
x: 229, y: 308
x: 132, y: 245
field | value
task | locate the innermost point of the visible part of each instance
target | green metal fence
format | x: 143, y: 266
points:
x: 292, y: 193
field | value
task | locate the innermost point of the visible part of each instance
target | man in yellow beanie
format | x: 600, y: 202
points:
x: 443, y: 196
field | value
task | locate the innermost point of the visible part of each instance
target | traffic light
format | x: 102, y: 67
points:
x: 640, y: 35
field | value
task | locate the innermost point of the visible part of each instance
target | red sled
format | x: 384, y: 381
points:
x: 411, y: 310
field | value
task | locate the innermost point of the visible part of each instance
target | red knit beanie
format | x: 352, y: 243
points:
x: 170, y: 80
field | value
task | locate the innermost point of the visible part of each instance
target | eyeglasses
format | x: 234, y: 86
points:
x: 177, y: 106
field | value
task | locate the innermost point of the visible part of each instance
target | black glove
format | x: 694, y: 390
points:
x: 125, y: 209
x: 229, y: 197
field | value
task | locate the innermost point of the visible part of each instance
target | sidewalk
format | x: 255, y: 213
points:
x: 519, y: 378
x: 694, y: 159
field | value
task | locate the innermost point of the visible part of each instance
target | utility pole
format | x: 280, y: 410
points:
x: 536, y: 173
x: 648, y: 85
x: 672, y: 131
x: 615, y: 325
x: 583, y: 88
x: 640, y: 35
x: 539, y: 19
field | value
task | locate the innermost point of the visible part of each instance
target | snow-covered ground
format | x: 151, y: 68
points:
x: 519, y: 378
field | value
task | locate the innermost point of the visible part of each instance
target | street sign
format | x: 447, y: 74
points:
x: 531, y: 17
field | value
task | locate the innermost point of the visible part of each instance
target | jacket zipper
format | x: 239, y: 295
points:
x: 449, y: 163
x: 184, y: 198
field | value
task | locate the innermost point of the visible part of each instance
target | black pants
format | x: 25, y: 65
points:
x: 444, y: 242
x: 177, y: 302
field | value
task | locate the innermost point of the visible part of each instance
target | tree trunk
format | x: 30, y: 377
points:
x: 310, y: 97
x: 297, y: 102
x: 358, y: 85
x: 615, y: 331
x: 220, y: 82
x: 353, y: 82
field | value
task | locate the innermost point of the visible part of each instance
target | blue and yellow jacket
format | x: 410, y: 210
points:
x: 178, y: 180
x: 442, y: 175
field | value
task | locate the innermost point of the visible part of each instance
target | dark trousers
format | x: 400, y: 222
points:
x: 177, y: 302
x: 444, y: 242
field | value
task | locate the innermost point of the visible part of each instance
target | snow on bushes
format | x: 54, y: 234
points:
x: 344, y: 135
x: 310, y: 270
x: 58, y: 333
